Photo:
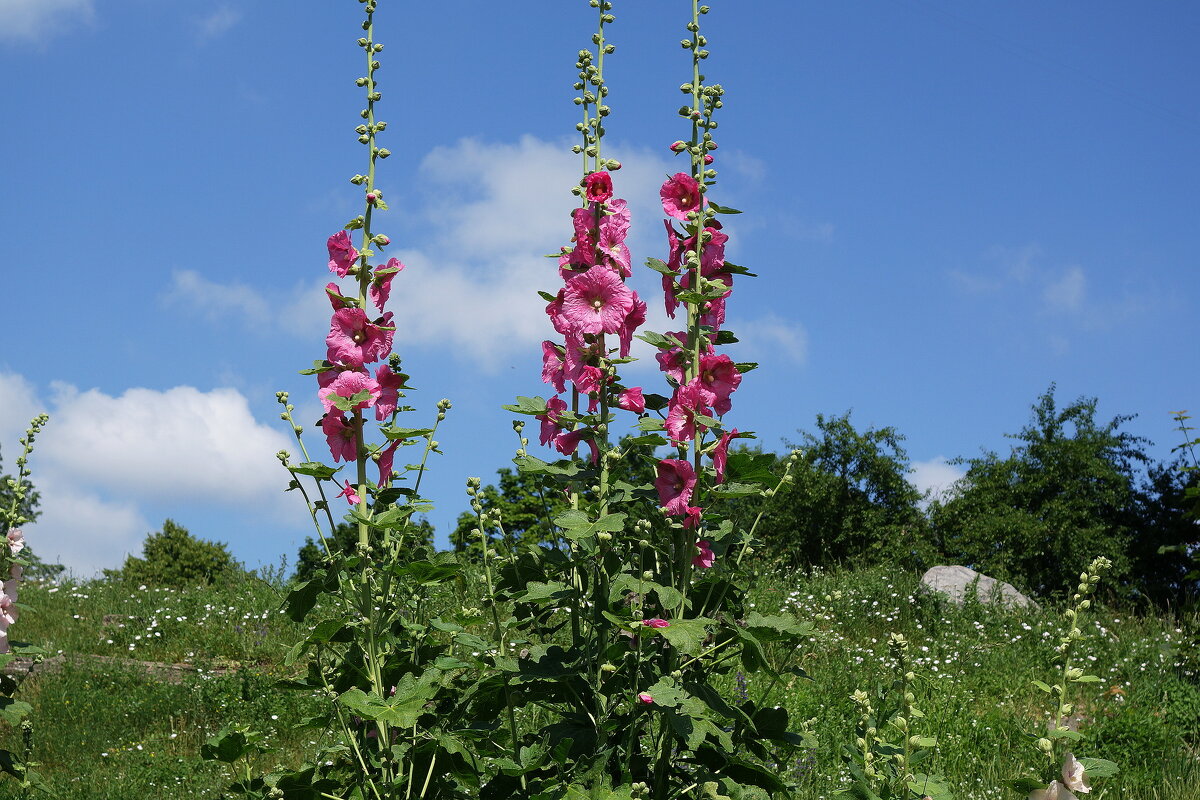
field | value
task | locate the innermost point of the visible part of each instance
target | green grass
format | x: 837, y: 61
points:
x: 103, y: 731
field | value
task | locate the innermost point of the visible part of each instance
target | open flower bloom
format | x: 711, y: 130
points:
x: 342, y: 254
x: 598, y: 187
x: 550, y: 428
x: 1074, y: 775
x: 384, y: 457
x: 16, y: 541
x: 675, y: 482
x: 632, y: 400
x: 719, y: 375
x: 552, y: 366
x: 390, y: 384
x: 350, y: 494
x: 680, y: 194
x: 355, y: 340
x: 1055, y: 791
x: 341, y: 436
x: 347, y: 385
x: 381, y: 282
x: 596, y: 301
x: 704, y: 557
x: 720, y: 453
x: 688, y: 401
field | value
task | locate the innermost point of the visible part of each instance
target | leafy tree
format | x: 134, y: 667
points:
x: 1066, y: 493
x: 1161, y: 569
x: 344, y: 541
x: 849, y: 500
x: 173, y: 557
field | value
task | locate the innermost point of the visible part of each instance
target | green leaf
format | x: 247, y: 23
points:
x: 314, y: 468
x: 1087, y: 679
x: 1045, y: 687
x: 733, y: 489
x: 657, y: 340
x: 536, y: 591
x: 738, y: 269
x: 687, y: 635
x: 650, y: 424
x: 394, y: 432
x: 660, y: 266
x: 303, y: 597
x: 1064, y: 734
x: 228, y: 745
x: 722, y: 209
x: 401, y: 709
x: 665, y: 692
x: 348, y: 403
x: 535, y: 406
x: 1025, y: 785
x: 931, y: 786
x: 744, y: 466
x: 1099, y: 767
x: 13, y: 711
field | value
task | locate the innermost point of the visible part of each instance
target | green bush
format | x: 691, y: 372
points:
x: 173, y: 557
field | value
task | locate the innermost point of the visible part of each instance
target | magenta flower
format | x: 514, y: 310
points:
x: 675, y: 482
x: 655, y: 622
x: 342, y: 254
x: 705, y: 557
x: 632, y: 400
x: 350, y: 494
x: 354, y: 340
x: 614, y: 252
x: 587, y: 381
x: 381, y: 282
x: 554, y: 408
x: 335, y: 296
x: 341, y: 435
x: 680, y: 194
x: 720, y: 376
x: 674, y: 261
x: 633, y: 320
x: 688, y: 401
x: 596, y: 301
x: 598, y: 187
x: 645, y: 698
x: 347, y: 384
x: 567, y: 443
x: 691, y: 519
x: 390, y: 384
x: 384, y: 457
x: 720, y: 453
x: 552, y: 366
x: 615, y: 221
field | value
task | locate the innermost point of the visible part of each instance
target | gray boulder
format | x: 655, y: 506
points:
x: 954, y: 582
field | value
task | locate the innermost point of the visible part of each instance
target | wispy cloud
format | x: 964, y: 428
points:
x: 771, y: 337
x: 219, y: 21
x: 35, y: 20
x: 1066, y: 292
x: 935, y: 478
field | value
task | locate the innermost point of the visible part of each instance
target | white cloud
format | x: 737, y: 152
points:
x: 18, y: 405
x: 103, y: 459
x: 935, y: 477
x: 215, y: 300
x: 35, y: 20
x: 218, y: 22
x: 1066, y: 293
x: 771, y: 337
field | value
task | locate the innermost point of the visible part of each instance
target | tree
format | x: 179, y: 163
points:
x: 344, y: 540
x: 849, y: 501
x: 173, y: 557
x: 1066, y: 493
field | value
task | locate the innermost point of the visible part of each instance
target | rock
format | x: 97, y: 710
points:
x: 954, y: 582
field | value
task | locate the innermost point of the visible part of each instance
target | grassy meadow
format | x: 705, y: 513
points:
x: 104, y: 728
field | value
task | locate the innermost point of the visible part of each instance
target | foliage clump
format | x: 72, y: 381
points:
x: 174, y: 558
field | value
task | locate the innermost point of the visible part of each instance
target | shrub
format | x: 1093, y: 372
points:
x: 174, y: 557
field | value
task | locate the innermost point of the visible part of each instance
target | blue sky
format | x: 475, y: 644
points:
x: 949, y: 207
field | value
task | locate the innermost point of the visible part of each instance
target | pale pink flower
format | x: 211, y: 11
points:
x: 688, y: 401
x: 381, y: 282
x: 354, y: 340
x: 720, y: 453
x: 341, y: 435
x: 645, y: 698
x: 342, y: 254
x: 656, y: 622
x: 615, y: 222
x: 15, y: 571
x: 552, y: 366
x: 16, y: 540
x: 390, y: 384
x: 675, y: 482
x: 719, y: 375
x: 1075, y: 776
x: 554, y: 408
x: 632, y: 400
x: 350, y: 494
x: 346, y: 385
x: 680, y: 194
x: 633, y: 320
x: 596, y: 301
x: 598, y: 187
x: 1055, y: 791
x: 705, y: 557
x: 8, y: 610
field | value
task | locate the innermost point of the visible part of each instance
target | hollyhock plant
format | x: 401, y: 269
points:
x: 390, y: 383
x: 680, y: 194
x: 704, y: 558
x: 689, y: 401
x: 598, y: 187
x: 381, y: 282
x: 348, y: 385
x: 596, y: 301
x: 355, y: 340
x: 342, y: 254
x: 342, y: 436
x: 720, y: 454
x: 348, y: 492
x: 719, y: 375
x: 675, y: 482
x: 632, y: 400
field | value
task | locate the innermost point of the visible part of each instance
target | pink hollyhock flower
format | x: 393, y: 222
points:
x: 645, y: 698
x: 680, y: 194
x: 712, y: 314
x: 390, y: 384
x: 678, y: 146
x: 342, y: 254
x: 354, y: 340
x: 720, y: 376
x: 632, y: 400
x: 587, y: 379
x: 614, y: 252
x: 567, y: 443
x: 350, y: 494
x: 554, y: 408
x: 347, y: 384
x: 16, y: 540
x: 674, y: 261
x: 1075, y: 776
x: 596, y: 301
x: 704, y: 558
x: 633, y: 320
x: 688, y: 401
x: 384, y: 457
x: 615, y: 221
x: 335, y: 296
x: 343, y: 443
x: 691, y: 520
x: 552, y: 367
x: 656, y: 623
x: 381, y: 282
x: 598, y: 187
x: 15, y: 571
x: 675, y: 482
x: 720, y: 453
x: 1055, y: 791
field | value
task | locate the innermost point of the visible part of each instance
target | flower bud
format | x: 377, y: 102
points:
x: 360, y: 81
